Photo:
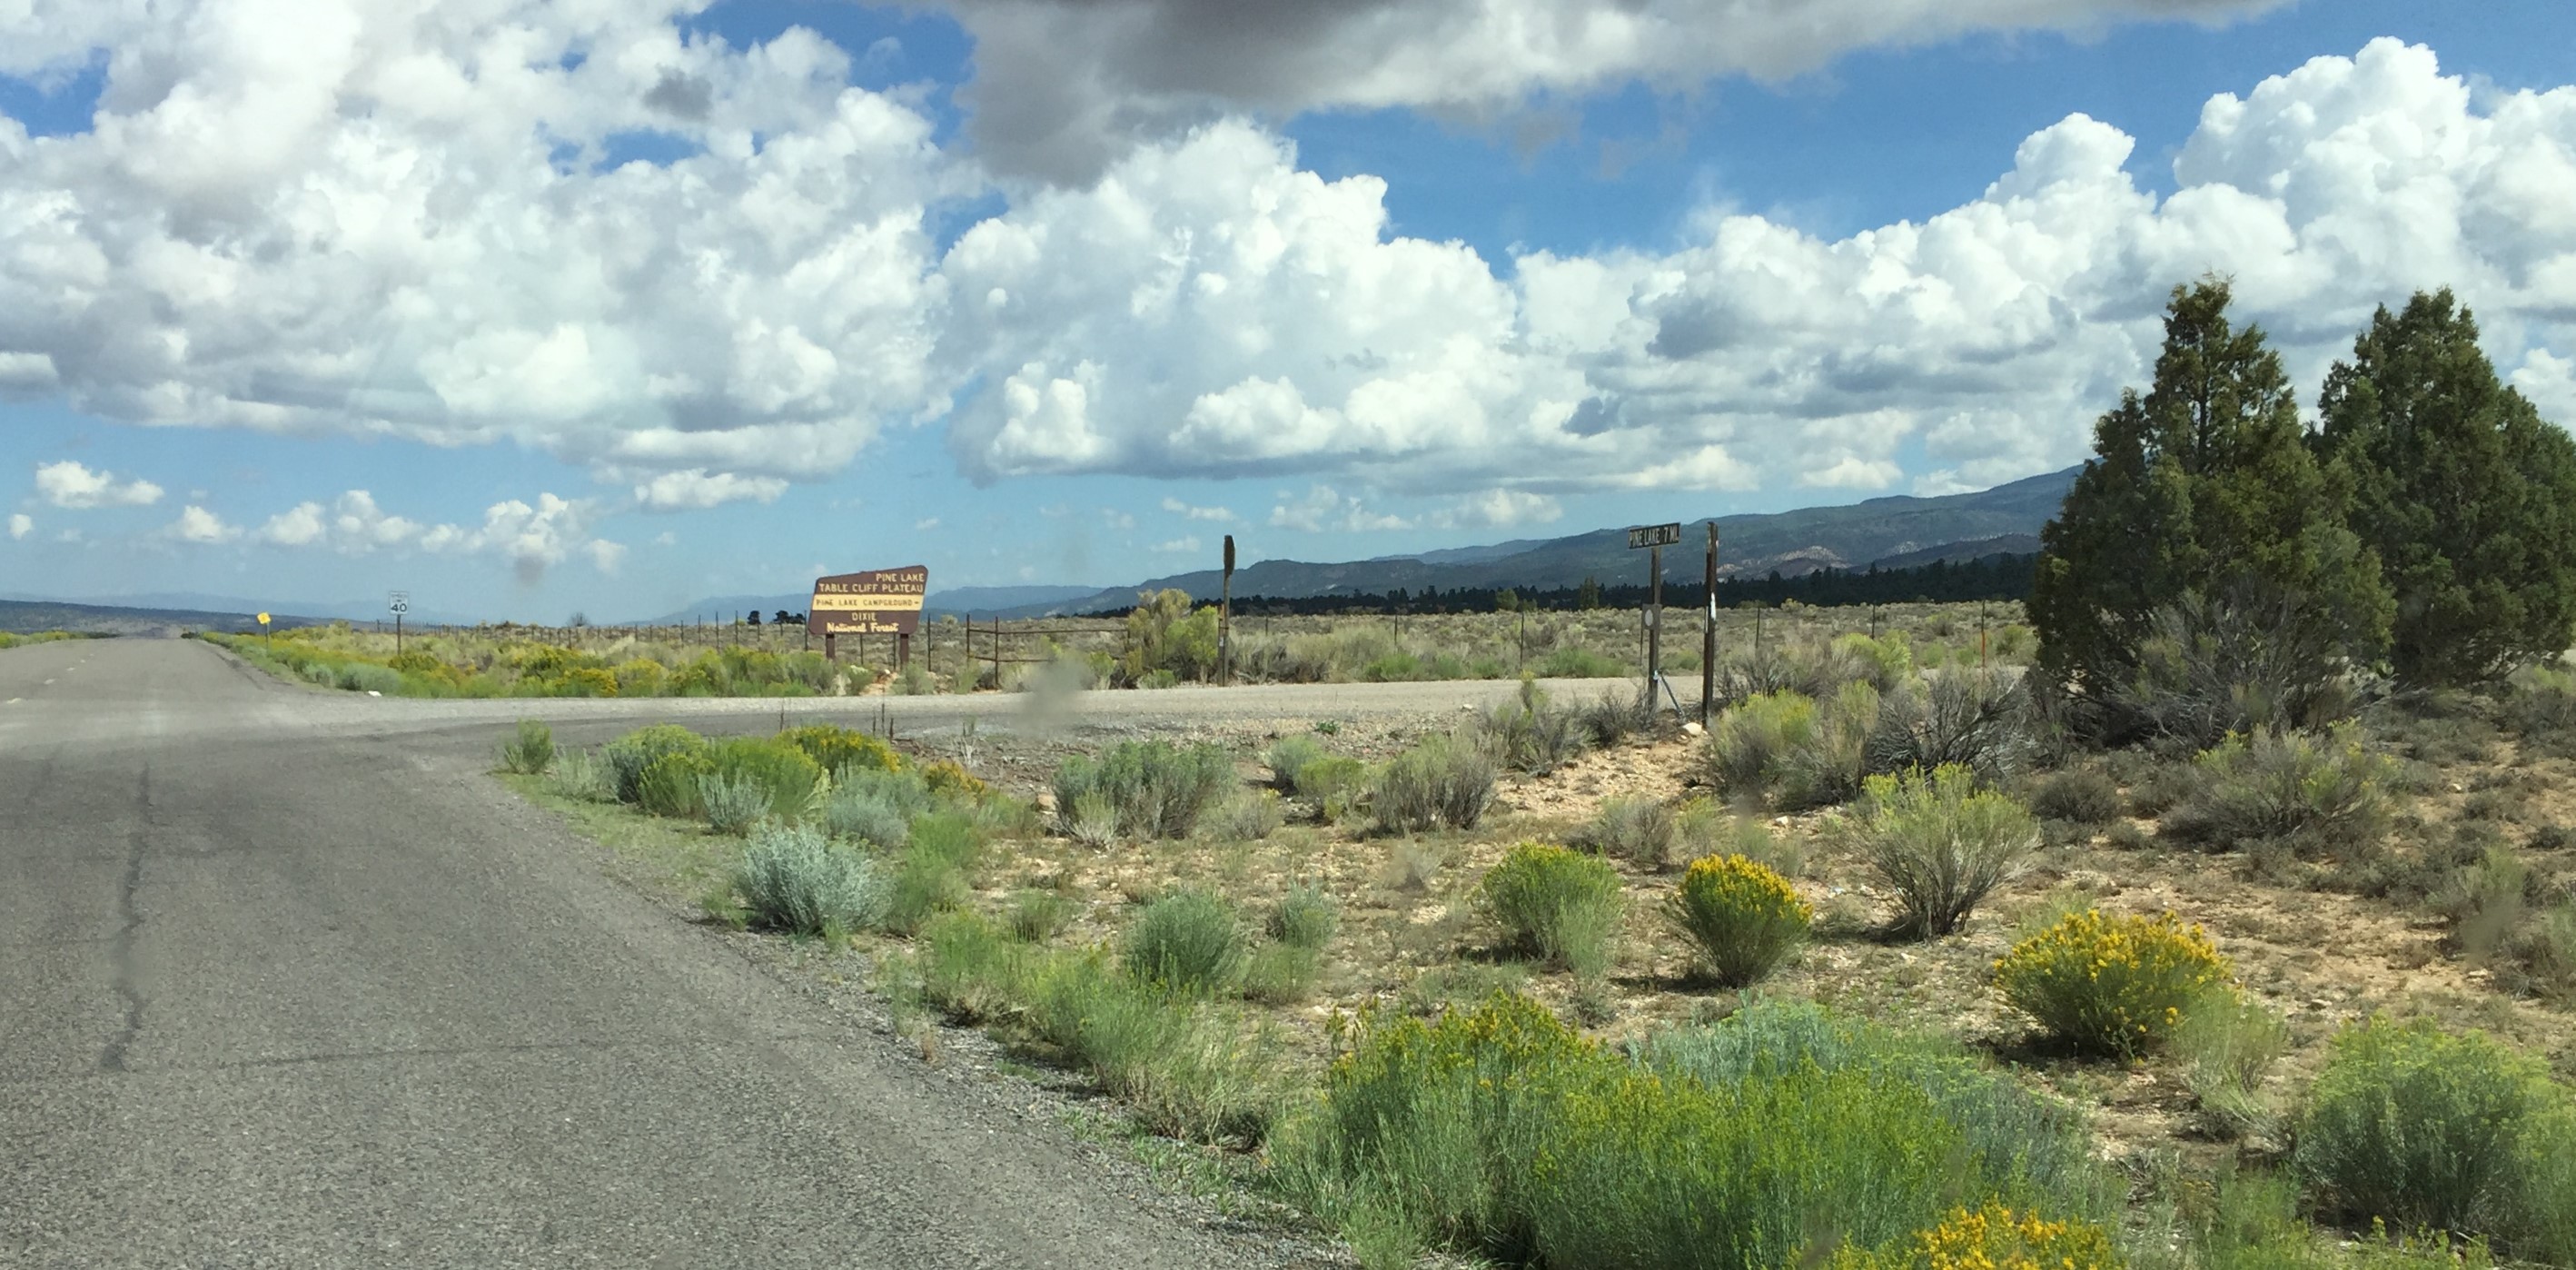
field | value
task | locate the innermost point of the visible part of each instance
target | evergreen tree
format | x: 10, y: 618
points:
x: 2204, y: 508
x: 2465, y: 493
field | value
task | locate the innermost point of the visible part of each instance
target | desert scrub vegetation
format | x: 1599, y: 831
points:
x: 1792, y: 752
x: 793, y: 878
x: 1028, y: 935
x: 1993, y: 1236
x: 2112, y: 985
x: 1940, y: 842
x: 1555, y: 904
x: 15, y: 639
x: 499, y: 662
x: 1741, y: 918
x: 1187, y: 941
x: 1656, y: 835
x: 1150, y: 789
x: 883, y: 844
x: 2315, y: 793
x: 531, y: 750
x: 1189, y: 1068
x: 2080, y: 796
x: 1530, y: 733
x: 1500, y: 1132
x: 2426, y: 1129
x: 1444, y: 780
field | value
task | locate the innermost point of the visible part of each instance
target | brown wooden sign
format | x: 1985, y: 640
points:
x: 878, y: 602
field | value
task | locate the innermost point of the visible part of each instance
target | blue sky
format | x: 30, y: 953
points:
x: 606, y: 314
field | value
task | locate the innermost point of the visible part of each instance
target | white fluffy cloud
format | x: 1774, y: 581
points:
x: 399, y: 218
x: 1499, y: 509
x: 531, y: 538
x: 1209, y: 309
x: 1063, y: 85
x: 698, y: 488
x: 1186, y: 545
x: 1188, y: 512
x: 197, y: 525
x: 71, y: 485
x: 20, y: 525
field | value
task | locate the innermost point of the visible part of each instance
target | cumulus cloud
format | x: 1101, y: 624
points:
x: 1062, y: 86
x: 531, y: 538
x: 197, y: 525
x: 1188, y: 512
x: 1499, y: 509
x: 395, y: 222
x: 1269, y: 313
x: 697, y: 489
x: 1325, y: 509
x: 70, y: 485
x: 341, y: 215
x: 1261, y: 307
x: 20, y: 525
x: 1188, y: 545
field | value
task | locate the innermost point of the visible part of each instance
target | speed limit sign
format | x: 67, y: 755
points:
x: 400, y: 602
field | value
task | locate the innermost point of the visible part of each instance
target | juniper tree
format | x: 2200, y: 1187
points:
x: 2203, y: 538
x: 2466, y: 495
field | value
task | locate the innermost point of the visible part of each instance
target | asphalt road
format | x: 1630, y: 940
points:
x: 287, y: 980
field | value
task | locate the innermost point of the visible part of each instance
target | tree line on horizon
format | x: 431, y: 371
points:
x: 2002, y: 577
x: 2220, y: 565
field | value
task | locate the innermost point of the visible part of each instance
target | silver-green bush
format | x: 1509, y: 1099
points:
x: 1188, y: 941
x: 1940, y: 842
x: 1306, y: 917
x: 793, y: 878
x: 1442, y: 781
x: 2306, y: 790
x: 1530, y: 734
x: 1635, y: 828
x: 857, y: 813
x: 1249, y: 816
x: 1157, y: 789
x: 1288, y: 756
x: 582, y: 775
x: 733, y: 804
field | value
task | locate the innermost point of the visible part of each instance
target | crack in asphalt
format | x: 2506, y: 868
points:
x: 121, y: 944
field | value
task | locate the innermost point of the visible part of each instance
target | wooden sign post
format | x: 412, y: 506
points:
x: 1708, y: 636
x: 1225, y: 619
x: 1654, y: 538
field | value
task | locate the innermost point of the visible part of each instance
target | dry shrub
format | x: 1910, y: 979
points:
x: 1941, y: 842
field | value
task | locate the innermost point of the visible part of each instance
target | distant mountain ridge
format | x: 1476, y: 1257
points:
x: 1902, y: 531
x: 30, y: 616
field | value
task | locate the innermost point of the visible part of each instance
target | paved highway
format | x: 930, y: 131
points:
x: 287, y: 980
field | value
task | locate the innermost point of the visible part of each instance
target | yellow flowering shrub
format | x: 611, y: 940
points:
x: 950, y: 779
x: 639, y: 677
x: 2111, y: 985
x: 1994, y: 1238
x: 1740, y: 915
x: 838, y: 748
